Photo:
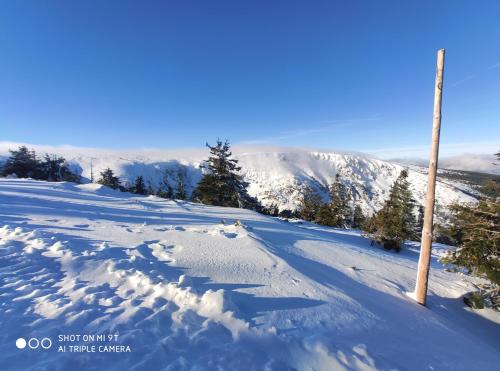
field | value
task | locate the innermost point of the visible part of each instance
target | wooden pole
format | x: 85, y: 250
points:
x: 426, y: 245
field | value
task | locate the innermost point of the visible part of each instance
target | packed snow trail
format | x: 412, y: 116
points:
x: 188, y: 286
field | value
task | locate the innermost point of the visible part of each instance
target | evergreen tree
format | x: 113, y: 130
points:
x: 149, y: 188
x: 56, y: 169
x: 139, y: 186
x: 222, y: 185
x: 336, y: 213
x: 491, y: 188
x: 420, y: 221
x: 181, y: 194
x: 23, y: 163
x: 358, y: 219
x: 109, y: 179
x: 165, y: 190
x: 312, y: 205
x: 394, y: 222
x: 272, y: 210
x: 476, y: 230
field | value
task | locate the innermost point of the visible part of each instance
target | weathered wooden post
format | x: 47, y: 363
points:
x: 426, y: 244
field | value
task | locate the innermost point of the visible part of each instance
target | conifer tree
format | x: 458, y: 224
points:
x: 55, y: 169
x: 139, y: 185
x: 222, y: 185
x: 336, y: 213
x: 476, y: 231
x: 394, y: 222
x: 181, y: 193
x: 23, y: 163
x: 109, y: 179
x: 164, y: 189
x: 358, y: 219
x: 420, y: 221
x: 312, y: 206
x: 149, y: 188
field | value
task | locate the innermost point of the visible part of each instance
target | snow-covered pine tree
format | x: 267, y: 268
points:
x: 394, y: 222
x: 109, y: 179
x: 222, y: 185
x: 23, y: 163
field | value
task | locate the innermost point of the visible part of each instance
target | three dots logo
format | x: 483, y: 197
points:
x: 34, y: 343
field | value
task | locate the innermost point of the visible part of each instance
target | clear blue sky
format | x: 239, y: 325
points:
x: 355, y: 75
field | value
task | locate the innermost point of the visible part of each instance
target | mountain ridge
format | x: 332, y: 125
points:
x: 276, y: 175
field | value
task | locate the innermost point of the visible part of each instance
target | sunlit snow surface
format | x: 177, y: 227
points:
x: 186, y: 288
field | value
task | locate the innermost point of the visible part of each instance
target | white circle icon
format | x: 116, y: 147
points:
x: 33, y: 343
x: 21, y: 343
x: 46, y: 343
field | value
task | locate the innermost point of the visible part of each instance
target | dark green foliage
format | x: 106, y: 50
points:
x: 358, y: 218
x: 139, y: 186
x: 491, y: 188
x: 180, y: 193
x: 109, y: 179
x: 165, y: 190
x: 288, y: 214
x: 474, y: 300
x: 394, y: 222
x: 311, y: 206
x: 420, y: 221
x: 23, y: 163
x: 271, y: 210
x: 476, y: 230
x: 222, y: 185
x: 336, y: 213
x: 56, y: 169
x: 149, y: 188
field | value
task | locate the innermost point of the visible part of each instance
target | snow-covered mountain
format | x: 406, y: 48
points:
x: 172, y: 285
x: 276, y: 175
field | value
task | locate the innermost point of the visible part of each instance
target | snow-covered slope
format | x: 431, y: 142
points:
x: 186, y: 287
x: 276, y: 175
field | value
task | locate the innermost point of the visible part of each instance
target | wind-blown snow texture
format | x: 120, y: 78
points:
x: 186, y: 287
x: 276, y: 175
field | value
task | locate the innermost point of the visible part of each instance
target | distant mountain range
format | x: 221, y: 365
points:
x: 275, y: 175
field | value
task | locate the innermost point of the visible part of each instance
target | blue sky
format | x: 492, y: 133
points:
x: 352, y: 75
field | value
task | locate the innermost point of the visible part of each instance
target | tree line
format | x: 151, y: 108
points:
x: 24, y: 163
x: 220, y: 185
x: 390, y: 226
x: 475, y: 230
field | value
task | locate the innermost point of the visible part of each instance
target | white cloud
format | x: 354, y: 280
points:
x: 445, y: 149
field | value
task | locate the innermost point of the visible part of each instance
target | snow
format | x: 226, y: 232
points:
x: 276, y: 175
x: 188, y: 286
